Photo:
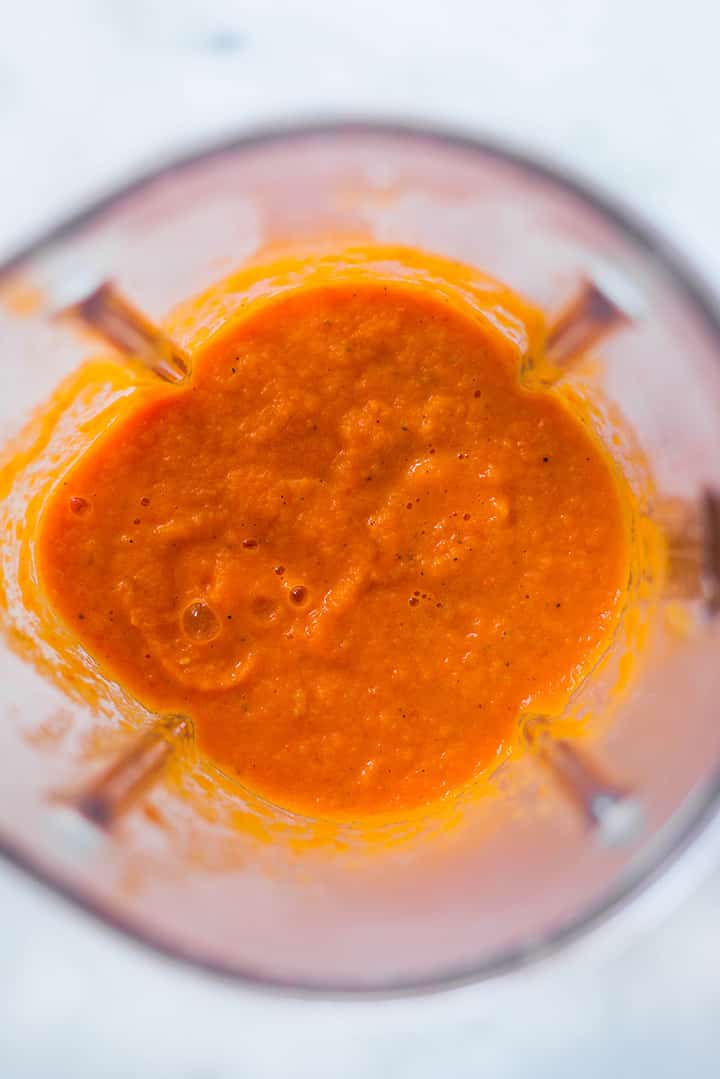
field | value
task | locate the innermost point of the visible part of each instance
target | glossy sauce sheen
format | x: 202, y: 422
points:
x: 354, y: 548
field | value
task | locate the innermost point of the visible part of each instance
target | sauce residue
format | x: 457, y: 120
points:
x: 354, y: 547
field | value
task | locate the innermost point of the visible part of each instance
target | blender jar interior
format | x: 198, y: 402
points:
x: 212, y: 873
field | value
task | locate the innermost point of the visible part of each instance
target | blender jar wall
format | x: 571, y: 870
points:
x: 211, y: 873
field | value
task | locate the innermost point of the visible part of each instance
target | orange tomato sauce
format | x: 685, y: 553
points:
x: 354, y: 547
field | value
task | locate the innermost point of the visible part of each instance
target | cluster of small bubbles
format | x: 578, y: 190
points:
x: 418, y: 595
x: 199, y: 622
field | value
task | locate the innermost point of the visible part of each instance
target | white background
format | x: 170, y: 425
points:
x: 624, y: 91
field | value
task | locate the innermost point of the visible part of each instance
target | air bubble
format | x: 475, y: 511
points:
x: 264, y: 608
x: 199, y: 622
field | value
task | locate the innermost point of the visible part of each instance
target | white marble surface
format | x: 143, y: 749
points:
x: 92, y: 91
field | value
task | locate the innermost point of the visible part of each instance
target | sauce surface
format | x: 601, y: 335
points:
x: 354, y: 547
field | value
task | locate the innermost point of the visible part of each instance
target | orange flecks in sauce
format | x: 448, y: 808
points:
x: 354, y: 548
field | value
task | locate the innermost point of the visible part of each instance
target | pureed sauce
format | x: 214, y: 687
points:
x: 354, y: 548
